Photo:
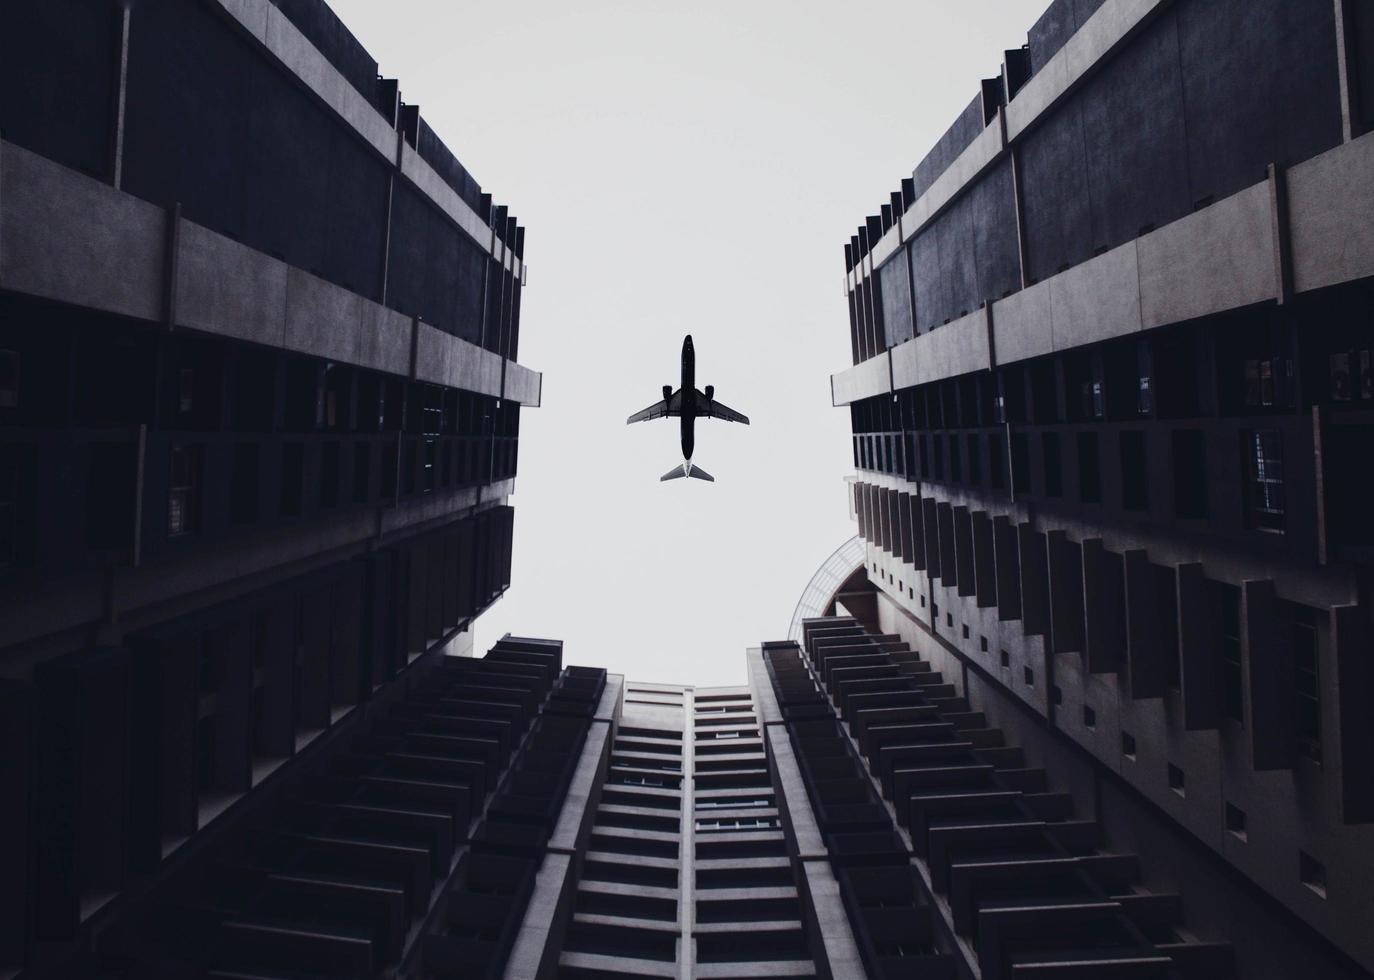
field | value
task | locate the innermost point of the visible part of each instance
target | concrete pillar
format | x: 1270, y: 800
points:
x: 949, y: 569
x: 1350, y: 642
x: 861, y: 508
x: 984, y: 562
x: 931, y: 531
x: 1065, y: 562
x: 904, y: 545
x: 1098, y: 654
x: 891, y: 542
x: 1268, y: 663
x: 1006, y: 555
x: 1144, y: 638
x: 963, y: 551
x: 1197, y: 652
x: 918, y: 538
x: 1035, y: 592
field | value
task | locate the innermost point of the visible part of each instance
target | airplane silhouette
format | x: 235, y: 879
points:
x: 690, y: 405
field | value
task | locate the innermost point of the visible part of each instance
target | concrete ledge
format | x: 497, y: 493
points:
x: 959, y: 347
x: 1021, y: 324
x: 445, y: 359
x: 524, y: 385
x: 1331, y: 215
x: 1219, y: 258
x: 863, y: 380
x: 67, y: 237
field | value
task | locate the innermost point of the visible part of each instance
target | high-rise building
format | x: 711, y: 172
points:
x: 1112, y: 407
x: 259, y: 410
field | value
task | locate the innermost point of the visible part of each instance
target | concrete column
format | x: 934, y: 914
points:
x: 904, y: 545
x: 1144, y: 638
x: 949, y: 571
x: 963, y: 551
x: 1035, y: 592
x: 1350, y: 642
x: 861, y: 509
x: 1098, y: 655
x: 893, y: 545
x: 1066, y: 592
x: 1006, y: 555
x: 1197, y: 653
x: 918, y: 538
x: 931, y: 531
x: 984, y: 562
x: 1268, y: 665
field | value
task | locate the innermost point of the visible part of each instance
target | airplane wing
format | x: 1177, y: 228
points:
x: 711, y: 408
x: 658, y: 410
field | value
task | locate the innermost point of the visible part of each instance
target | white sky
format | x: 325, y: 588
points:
x: 691, y: 167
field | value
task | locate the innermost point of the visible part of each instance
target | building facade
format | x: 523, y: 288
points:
x: 1112, y: 403
x: 259, y: 416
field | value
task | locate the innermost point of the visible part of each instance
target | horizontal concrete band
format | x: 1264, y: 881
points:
x: 1099, y: 37
x: 1219, y: 258
x: 67, y: 237
x: 285, y: 42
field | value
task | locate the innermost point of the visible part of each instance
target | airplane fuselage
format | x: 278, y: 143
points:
x: 689, y: 398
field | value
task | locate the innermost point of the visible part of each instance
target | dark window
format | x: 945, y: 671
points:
x: 938, y: 443
x: 1190, y: 473
x: 1028, y: 675
x: 183, y: 490
x: 1306, y: 677
x: 329, y: 474
x: 997, y: 461
x: 1262, y: 451
x: 1020, y: 464
x: 1089, y: 469
x: 1128, y: 745
x: 1224, y: 600
x: 1089, y: 717
x: 1004, y: 658
x: 1176, y: 779
x: 292, y: 478
x: 9, y: 506
x: 1135, y: 493
x: 9, y: 379
x: 925, y: 456
x: 956, y: 462
x: 975, y: 461
x: 110, y: 495
x: 1054, y: 465
x: 983, y: 643
x: 1235, y: 821
x: 362, y: 471
x: 1145, y: 394
x: 186, y: 391
x: 243, y: 490
x: 1342, y: 387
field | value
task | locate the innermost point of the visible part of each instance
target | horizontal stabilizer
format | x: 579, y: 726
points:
x: 687, y: 469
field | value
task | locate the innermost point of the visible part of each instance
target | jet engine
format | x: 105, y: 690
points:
x: 667, y: 392
x: 710, y: 392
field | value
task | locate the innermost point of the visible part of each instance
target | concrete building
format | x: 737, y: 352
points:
x: 259, y: 416
x: 1112, y: 406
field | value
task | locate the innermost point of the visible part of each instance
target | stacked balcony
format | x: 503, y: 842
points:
x: 625, y: 919
x: 347, y: 862
x: 1015, y: 876
x: 748, y: 919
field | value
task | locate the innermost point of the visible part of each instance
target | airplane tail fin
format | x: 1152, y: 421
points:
x: 687, y: 469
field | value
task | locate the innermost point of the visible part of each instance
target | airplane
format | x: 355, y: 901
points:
x: 690, y: 405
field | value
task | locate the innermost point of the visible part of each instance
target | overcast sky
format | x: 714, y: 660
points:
x: 690, y: 167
